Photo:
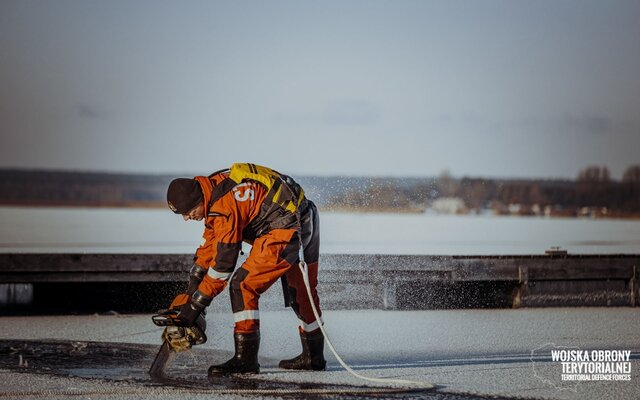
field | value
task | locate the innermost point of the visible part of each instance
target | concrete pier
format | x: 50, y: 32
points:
x: 347, y: 281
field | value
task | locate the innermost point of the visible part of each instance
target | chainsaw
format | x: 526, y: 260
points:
x: 175, y: 339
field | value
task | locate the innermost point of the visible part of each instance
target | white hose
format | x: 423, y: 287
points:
x: 305, y: 277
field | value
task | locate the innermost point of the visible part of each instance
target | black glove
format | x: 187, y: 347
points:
x: 187, y: 315
x: 190, y: 311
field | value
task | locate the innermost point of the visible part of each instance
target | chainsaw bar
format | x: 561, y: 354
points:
x: 164, y: 357
x: 174, y: 340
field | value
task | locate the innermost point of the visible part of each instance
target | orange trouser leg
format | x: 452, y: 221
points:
x: 264, y: 266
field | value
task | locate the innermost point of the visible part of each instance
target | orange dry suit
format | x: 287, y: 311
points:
x: 257, y: 205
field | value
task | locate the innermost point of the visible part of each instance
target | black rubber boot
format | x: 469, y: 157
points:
x: 312, y: 357
x: 245, y: 361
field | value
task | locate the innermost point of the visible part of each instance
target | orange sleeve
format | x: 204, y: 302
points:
x: 221, y: 249
x: 204, y: 254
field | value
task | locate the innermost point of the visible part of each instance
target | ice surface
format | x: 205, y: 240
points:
x: 159, y: 231
x: 482, y: 351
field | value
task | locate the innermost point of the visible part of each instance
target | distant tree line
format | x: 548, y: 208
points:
x: 593, y: 189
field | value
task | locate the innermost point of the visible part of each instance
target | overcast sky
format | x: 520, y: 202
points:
x: 399, y: 88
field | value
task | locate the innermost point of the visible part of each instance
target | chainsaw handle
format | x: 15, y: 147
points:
x: 165, y: 318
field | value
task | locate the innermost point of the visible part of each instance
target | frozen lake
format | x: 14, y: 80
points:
x: 502, y: 353
x: 118, y: 230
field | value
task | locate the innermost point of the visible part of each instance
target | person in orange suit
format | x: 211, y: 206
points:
x: 270, y: 211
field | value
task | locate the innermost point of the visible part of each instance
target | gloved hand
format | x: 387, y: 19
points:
x: 188, y: 315
x: 182, y: 329
x: 189, y: 307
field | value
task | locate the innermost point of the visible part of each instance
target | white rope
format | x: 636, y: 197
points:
x: 305, y: 277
